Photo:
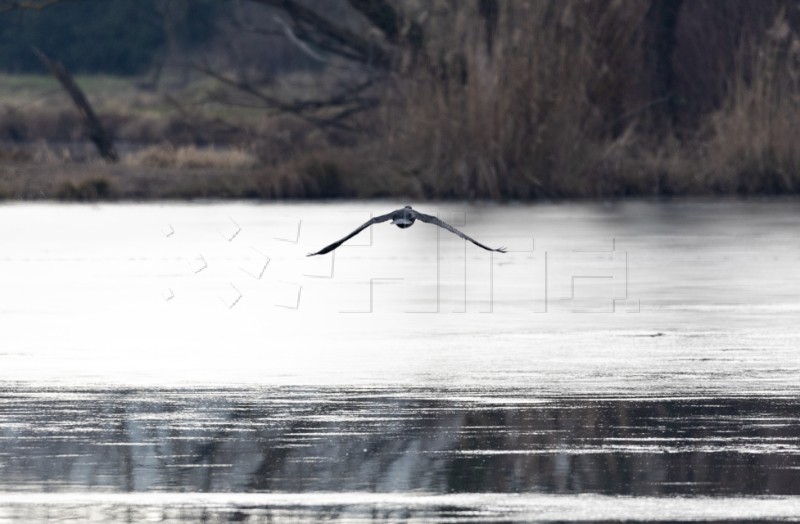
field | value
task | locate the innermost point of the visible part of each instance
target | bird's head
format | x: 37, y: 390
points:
x: 408, y: 207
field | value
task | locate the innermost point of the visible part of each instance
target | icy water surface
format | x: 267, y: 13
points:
x: 181, y: 362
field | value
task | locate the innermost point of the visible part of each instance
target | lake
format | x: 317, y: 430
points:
x: 187, y: 361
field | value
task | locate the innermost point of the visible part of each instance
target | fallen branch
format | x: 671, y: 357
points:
x: 97, y: 133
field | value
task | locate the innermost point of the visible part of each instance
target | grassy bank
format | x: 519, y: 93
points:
x: 429, y: 144
x: 96, y: 181
x: 551, y: 100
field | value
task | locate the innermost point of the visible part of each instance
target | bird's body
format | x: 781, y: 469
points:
x: 403, y: 218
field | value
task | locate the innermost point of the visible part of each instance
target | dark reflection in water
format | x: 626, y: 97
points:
x: 387, y: 440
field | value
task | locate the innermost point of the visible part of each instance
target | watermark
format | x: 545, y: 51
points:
x: 427, y: 269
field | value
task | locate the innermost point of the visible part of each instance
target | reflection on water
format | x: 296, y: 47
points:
x: 632, y: 361
x: 289, y: 439
x: 384, y: 441
x: 382, y: 507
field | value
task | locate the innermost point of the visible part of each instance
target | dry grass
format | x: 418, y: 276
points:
x: 192, y: 157
x: 90, y: 182
x: 35, y: 108
x: 752, y: 144
x: 549, y: 109
x: 530, y: 116
x: 552, y: 110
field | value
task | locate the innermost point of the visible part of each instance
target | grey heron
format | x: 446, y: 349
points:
x: 404, y: 218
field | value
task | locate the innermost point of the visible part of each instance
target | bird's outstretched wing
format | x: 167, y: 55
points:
x: 435, y: 221
x: 362, y: 227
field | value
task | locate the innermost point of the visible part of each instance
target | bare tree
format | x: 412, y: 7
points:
x: 364, y: 56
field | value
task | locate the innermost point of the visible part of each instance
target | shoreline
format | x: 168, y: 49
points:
x: 98, y: 182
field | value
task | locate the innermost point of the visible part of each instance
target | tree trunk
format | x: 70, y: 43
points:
x: 663, y: 20
x: 97, y: 132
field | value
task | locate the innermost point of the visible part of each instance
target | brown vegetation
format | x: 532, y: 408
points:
x: 565, y: 107
x: 487, y: 99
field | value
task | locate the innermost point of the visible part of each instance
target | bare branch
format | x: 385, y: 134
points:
x: 361, y: 49
x: 301, y: 108
x: 364, y: 105
x: 323, y: 39
x: 244, y: 87
x: 348, y: 96
x: 302, y: 46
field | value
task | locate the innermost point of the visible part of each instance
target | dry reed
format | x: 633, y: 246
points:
x: 557, y: 103
x: 549, y: 109
x: 751, y: 144
x: 192, y: 157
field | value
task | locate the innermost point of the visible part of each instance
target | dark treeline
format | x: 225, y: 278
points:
x: 113, y: 36
x: 458, y: 99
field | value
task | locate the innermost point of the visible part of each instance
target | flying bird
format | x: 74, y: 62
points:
x: 404, y: 218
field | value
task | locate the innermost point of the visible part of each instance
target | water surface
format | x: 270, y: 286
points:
x: 187, y: 361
